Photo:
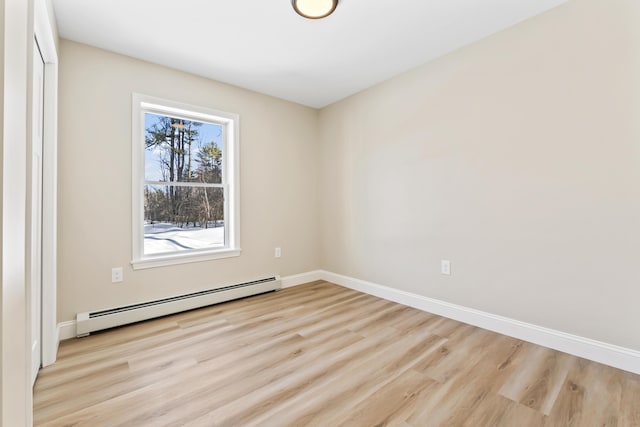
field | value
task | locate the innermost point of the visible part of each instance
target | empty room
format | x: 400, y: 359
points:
x: 320, y: 213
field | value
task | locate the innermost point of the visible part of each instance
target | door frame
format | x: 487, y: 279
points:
x: 45, y: 34
x: 35, y: 208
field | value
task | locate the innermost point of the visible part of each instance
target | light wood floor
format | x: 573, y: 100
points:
x: 323, y: 355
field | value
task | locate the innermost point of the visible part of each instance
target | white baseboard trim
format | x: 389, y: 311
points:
x: 299, y: 279
x: 66, y: 330
x: 607, y: 354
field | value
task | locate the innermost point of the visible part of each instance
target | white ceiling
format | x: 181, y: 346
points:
x: 265, y: 46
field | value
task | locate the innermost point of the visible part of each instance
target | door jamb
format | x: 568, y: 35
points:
x: 44, y: 33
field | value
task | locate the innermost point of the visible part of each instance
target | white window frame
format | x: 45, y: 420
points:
x: 230, y: 123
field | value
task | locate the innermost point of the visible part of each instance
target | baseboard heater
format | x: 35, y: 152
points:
x: 104, y: 319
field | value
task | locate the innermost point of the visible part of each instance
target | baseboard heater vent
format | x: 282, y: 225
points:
x: 104, y: 319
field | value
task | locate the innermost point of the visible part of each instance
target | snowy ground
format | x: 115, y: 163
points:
x: 166, y: 237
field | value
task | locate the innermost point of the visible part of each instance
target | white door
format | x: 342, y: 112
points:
x: 36, y: 211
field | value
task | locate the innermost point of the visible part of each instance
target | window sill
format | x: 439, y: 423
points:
x: 173, y: 259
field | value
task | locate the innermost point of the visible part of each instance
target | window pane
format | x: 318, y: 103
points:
x: 182, y: 218
x: 179, y: 150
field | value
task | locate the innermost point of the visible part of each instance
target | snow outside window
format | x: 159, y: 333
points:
x: 185, y: 183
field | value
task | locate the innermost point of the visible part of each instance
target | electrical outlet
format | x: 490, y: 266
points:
x: 117, y: 275
x: 445, y: 267
x: 278, y: 253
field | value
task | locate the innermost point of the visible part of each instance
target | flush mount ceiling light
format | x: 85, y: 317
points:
x: 314, y: 9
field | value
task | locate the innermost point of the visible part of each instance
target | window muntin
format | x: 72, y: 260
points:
x: 185, y: 183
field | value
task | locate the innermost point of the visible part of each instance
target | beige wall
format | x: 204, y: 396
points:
x: 517, y: 158
x: 278, y: 147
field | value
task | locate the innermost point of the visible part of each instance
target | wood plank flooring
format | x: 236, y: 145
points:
x: 322, y: 355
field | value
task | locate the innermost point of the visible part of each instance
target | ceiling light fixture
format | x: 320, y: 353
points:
x: 314, y: 9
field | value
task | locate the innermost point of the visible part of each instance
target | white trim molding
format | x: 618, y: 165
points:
x: 46, y: 35
x: 66, y: 330
x: 597, y: 351
x: 15, y: 301
x: 299, y: 279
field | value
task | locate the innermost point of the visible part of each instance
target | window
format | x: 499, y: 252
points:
x: 185, y: 183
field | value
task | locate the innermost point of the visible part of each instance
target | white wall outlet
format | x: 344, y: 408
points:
x: 445, y: 267
x: 278, y: 253
x: 117, y: 275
